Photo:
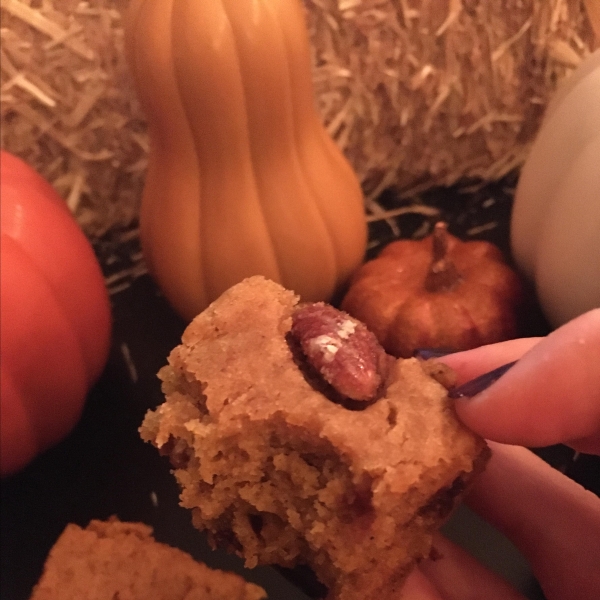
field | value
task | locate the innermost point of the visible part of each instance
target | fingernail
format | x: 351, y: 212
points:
x: 427, y: 353
x: 477, y: 385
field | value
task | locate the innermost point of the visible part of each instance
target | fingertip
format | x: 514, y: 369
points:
x: 472, y: 363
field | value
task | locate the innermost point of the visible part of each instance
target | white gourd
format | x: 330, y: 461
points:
x: 555, y: 225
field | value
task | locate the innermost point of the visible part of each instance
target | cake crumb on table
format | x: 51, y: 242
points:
x: 111, y: 560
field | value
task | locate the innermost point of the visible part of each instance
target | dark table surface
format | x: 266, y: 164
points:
x: 104, y: 469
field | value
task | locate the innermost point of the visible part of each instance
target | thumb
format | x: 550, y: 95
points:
x: 551, y: 395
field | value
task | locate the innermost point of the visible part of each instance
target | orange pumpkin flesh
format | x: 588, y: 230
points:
x: 438, y: 292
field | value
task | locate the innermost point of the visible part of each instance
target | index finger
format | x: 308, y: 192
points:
x: 469, y: 364
x: 552, y: 394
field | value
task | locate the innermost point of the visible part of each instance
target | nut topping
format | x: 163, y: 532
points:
x: 344, y: 352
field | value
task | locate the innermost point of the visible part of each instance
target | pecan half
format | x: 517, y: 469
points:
x: 344, y: 352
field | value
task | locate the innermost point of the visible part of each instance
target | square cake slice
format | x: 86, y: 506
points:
x: 282, y: 471
x: 114, y: 560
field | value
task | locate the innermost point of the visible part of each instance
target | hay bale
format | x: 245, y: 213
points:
x: 68, y: 105
x: 429, y: 92
x: 417, y: 92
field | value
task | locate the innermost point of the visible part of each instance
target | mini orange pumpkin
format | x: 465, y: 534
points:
x: 438, y: 292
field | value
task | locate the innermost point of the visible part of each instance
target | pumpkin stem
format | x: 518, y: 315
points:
x: 442, y: 275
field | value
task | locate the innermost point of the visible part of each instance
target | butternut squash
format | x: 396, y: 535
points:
x: 243, y: 179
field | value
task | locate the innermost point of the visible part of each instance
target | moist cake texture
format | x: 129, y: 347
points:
x: 279, y: 472
x: 113, y: 560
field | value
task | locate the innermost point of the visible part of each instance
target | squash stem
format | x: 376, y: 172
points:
x: 443, y: 274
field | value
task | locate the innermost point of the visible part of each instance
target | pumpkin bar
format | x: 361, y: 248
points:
x: 111, y: 560
x: 278, y: 470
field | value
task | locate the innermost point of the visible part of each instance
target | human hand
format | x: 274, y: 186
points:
x: 550, y: 396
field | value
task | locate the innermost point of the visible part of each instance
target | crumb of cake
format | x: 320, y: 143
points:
x: 277, y: 472
x: 440, y: 372
x: 113, y: 559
